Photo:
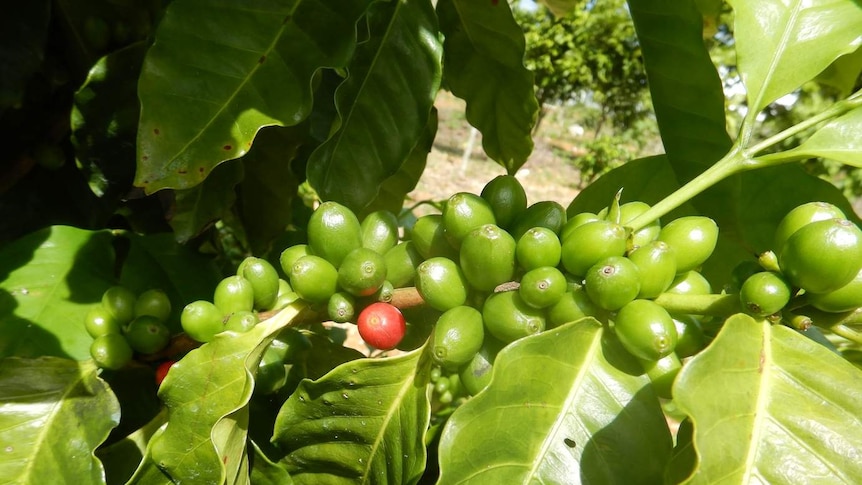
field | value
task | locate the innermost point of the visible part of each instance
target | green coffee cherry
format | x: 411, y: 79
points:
x: 546, y: 213
x: 822, y: 256
x: 508, y: 318
x: 241, y: 322
x: 234, y: 294
x: 538, y: 247
x: 646, y: 330
x: 690, y: 337
x: 429, y: 238
x: 314, y: 279
x: 111, y: 351
x: 507, y: 198
x: 458, y: 336
x: 401, y: 262
x: 802, y: 216
x: 487, y: 257
x: 333, y: 232
x: 846, y: 298
x: 147, y: 334
x: 590, y: 243
x: 362, y: 272
x: 463, y: 213
x: 341, y: 307
x: 441, y: 283
x: 613, y: 282
x: 542, y: 287
x: 657, y: 266
x: 100, y: 321
x: 263, y: 279
x: 578, y: 220
x: 476, y: 374
x: 764, y: 294
x: 155, y: 303
x: 573, y: 305
x: 627, y: 213
x: 202, y: 320
x: 690, y: 283
x: 120, y: 302
x: 290, y: 255
x: 379, y: 231
x: 662, y: 374
x: 692, y: 239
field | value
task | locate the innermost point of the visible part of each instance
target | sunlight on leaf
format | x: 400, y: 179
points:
x: 241, y: 68
x: 837, y: 140
x: 558, y: 411
x: 780, y: 44
x: 207, y: 394
x: 363, y: 422
x: 772, y: 406
x: 383, y: 104
x: 53, y: 414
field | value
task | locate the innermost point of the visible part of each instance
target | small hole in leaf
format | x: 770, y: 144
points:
x: 227, y: 147
x: 145, y: 158
x: 261, y: 60
x: 570, y: 442
x: 156, y: 131
x: 182, y: 171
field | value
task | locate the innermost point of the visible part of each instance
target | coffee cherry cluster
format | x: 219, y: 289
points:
x: 816, y: 262
x: 237, y: 300
x: 124, y: 323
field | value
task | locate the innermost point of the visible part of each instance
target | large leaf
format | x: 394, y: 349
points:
x: 780, y: 44
x: 54, y: 413
x: 383, y: 104
x: 219, y: 71
x: 484, y: 65
x: 559, y: 410
x: 48, y: 281
x: 394, y: 189
x: 837, y: 140
x: 104, y: 121
x: 843, y: 73
x: 207, y: 394
x: 684, y: 84
x: 772, y: 406
x: 363, y: 422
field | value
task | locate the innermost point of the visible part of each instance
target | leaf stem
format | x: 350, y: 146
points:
x: 716, y: 305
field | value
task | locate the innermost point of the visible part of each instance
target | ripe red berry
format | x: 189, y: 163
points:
x: 381, y: 325
x: 162, y: 371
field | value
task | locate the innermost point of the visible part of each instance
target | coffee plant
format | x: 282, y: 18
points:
x: 690, y: 317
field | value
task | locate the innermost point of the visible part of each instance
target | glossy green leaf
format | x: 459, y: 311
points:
x: 559, y: 409
x: 684, y: 85
x: 837, y: 140
x: 54, y: 413
x: 244, y: 66
x: 105, y: 118
x: 48, y: 281
x: 203, y: 204
x: 484, y: 65
x: 383, y: 104
x: 265, y: 472
x: 780, y: 44
x: 843, y: 73
x: 268, y: 189
x: 763, y: 412
x: 207, y: 394
x: 23, y: 32
x: 394, y: 189
x: 363, y: 422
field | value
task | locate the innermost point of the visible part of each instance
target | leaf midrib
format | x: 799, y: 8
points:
x: 779, y: 54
